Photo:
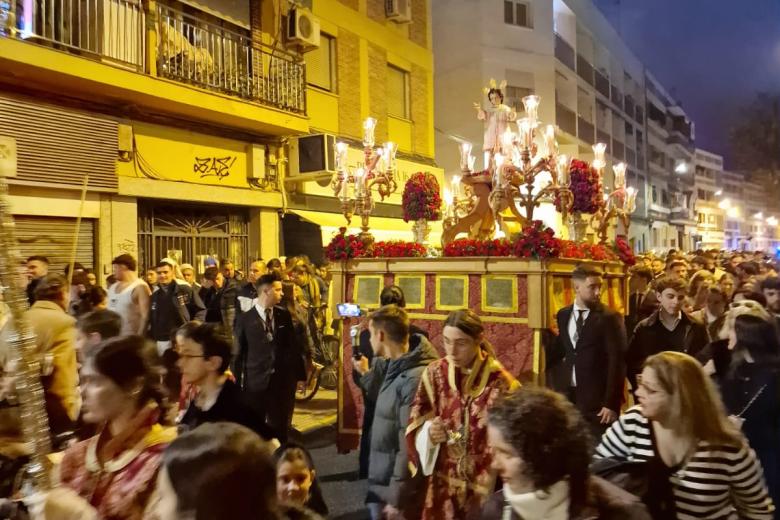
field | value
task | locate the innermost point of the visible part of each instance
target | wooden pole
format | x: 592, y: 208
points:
x: 74, y: 246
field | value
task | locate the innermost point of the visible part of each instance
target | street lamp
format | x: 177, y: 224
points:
x: 724, y: 204
x: 719, y: 193
x: 772, y: 221
x: 681, y: 168
x: 759, y: 216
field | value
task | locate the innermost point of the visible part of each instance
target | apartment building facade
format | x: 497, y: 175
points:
x: 177, y: 117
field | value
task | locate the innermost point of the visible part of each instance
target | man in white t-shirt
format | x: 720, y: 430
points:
x: 129, y: 296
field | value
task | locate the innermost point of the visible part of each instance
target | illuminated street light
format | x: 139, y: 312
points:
x: 758, y: 216
x: 681, y: 168
x: 732, y: 212
x: 724, y: 204
x: 719, y: 193
x: 772, y: 221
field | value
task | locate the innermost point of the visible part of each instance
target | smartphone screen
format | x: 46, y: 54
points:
x: 348, y: 310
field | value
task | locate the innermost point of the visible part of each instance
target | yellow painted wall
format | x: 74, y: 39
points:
x: 366, y: 42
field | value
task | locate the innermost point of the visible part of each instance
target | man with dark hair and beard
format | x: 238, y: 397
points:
x: 585, y: 362
x: 771, y: 289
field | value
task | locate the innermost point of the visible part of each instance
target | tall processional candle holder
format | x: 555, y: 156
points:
x: 619, y: 204
x: 355, y: 187
x: 513, y: 175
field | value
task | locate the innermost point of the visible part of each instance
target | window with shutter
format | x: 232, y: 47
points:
x: 321, y: 64
x: 398, y: 102
x: 514, y: 97
x: 516, y: 13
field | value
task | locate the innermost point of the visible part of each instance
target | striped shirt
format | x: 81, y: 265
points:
x: 716, y: 482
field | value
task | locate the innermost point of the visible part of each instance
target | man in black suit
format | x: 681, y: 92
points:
x: 270, y: 359
x: 585, y: 362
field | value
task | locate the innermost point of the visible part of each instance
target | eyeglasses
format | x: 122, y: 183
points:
x: 750, y: 304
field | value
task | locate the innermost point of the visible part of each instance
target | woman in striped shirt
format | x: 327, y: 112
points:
x: 694, y: 455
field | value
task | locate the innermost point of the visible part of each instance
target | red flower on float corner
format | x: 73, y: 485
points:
x: 422, y: 197
x: 345, y: 247
x: 624, y: 251
x: 398, y: 249
x: 537, y: 241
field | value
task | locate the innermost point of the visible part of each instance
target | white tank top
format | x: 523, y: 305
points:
x: 122, y: 304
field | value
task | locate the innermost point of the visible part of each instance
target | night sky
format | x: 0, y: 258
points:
x: 711, y: 55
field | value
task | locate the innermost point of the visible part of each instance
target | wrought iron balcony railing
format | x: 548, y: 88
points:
x: 212, y: 57
x: 189, y: 49
x: 111, y: 30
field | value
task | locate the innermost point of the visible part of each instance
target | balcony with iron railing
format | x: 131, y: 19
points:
x: 602, y: 84
x: 564, y: 52
x: 566, y: 119
x: 584, y: 69
x: 188, y: 50
x: 585, y: 130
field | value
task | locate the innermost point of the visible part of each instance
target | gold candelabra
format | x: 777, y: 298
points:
x: 355, y: 188
x: 510, y: 180
x: 618, y: 204
x: 26, y: 362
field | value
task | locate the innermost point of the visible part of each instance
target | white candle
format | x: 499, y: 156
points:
x: 344, y: 191
x: 531, y: 104
x: 526, y: 132
x: 465, y: 155
x: 598, y: 156
x: 390, y: 149
x: 562, y: 165
x: 456, y: 186
x: 368, y: 131
x: 341, y: 156
x: 620, y: 175
x: 487, y: 160
x: 360, y: 179
x: 549, y: 140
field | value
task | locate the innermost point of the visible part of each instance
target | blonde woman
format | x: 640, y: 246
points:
x: 698, y: 463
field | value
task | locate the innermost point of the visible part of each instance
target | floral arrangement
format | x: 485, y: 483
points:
x: 585, y: 251
x: 470, y: 247
x: 422, y: 197
x: 585, y: 185
x: 624, y: 251
x: 345, y: 247
x: 398, y: 249
x: 537, y: 241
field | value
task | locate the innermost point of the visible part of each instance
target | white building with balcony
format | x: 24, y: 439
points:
x: 710, y: 217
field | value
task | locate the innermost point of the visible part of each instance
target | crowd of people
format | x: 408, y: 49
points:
x: 172, y: 398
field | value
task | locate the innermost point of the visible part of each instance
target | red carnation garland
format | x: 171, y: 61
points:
x: 345, y: 247
x: 422, y: 197
x: 398, y: 249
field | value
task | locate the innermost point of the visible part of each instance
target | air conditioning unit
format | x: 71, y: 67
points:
x: 398, y: 11
x: 303, y: 29
x: 312, y: 154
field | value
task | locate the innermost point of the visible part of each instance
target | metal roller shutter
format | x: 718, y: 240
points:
x: 57, y: 146
x: 52, y: 237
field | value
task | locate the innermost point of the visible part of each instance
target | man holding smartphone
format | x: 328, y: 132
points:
x: 389, y: 477
x: 368, y: 376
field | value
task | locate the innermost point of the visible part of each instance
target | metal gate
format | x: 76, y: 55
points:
x: 192, y: 233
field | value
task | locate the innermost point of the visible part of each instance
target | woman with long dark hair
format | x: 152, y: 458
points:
x: 541, y: 450
x: 749, y: 386
x: 116, y: 470
x: 447, y: 432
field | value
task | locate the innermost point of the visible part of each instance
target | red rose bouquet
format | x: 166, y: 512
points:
x: 345, y: 247
x: 537, y: 241
x: 422, y: 197
x: 624, y: 251
x: 398, y: 249
x: 585, y: 185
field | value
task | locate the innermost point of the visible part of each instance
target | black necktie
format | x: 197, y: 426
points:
x: 580, y: 322
x: 269, y: 326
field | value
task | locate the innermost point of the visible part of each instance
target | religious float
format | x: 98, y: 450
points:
x: 497, y: 256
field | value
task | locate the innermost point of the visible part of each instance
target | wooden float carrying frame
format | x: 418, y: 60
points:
x: 531, y: 293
